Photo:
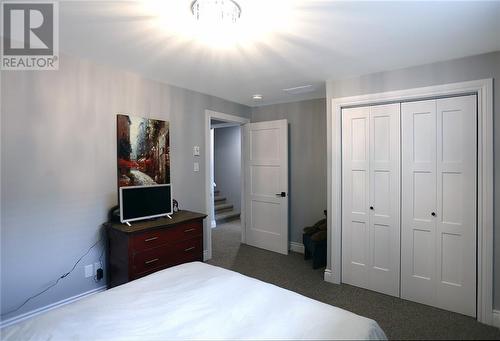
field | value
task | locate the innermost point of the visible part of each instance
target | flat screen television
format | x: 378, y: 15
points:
x: 145, y: 202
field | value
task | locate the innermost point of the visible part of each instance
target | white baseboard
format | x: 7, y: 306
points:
x: 329, y: 276
x: 297, y: 247
x: 42, y: 310
x: 496, y: 318
x: 206, y: 255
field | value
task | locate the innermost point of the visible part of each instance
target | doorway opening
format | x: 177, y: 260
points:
x: 225, y: 186
x: 263, y: 182
x: 227, y: 178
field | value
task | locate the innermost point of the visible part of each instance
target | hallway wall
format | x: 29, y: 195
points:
x: 227, y: 164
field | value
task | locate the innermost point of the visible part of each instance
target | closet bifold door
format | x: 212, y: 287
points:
x: 438, y: 236
x: 371, y: 197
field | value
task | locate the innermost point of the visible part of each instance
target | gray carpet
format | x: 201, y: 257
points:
x: 399, y: 319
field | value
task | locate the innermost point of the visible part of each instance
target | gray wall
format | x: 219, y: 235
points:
x: 459, y: 70
x: 307, y: 159
x: 227, y: 165
x: 58, y: 167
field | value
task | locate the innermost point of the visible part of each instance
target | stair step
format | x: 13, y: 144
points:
x: 226, y: 216
x: 218, y: 199
x: 223, y: 208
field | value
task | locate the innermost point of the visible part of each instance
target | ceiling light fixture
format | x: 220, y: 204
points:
x: 257, y: 97
x: 216, y: 11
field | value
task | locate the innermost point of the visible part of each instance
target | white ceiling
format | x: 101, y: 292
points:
x: 308, y: 43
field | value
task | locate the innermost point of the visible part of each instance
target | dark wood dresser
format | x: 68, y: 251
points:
x: 145, y: 247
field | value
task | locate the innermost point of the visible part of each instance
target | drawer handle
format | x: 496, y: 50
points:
x: 151, y: 261
x: 189, y: 249
x: 150, y: 239
x: 189, y: 230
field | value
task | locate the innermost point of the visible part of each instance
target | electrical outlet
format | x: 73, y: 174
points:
x: 196, y: 167
x: 89, y: 270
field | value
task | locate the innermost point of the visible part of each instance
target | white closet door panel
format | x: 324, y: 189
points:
x: 438, y: 236
x: 456, y: 204
x: 355, y: 203
x: 370, y: 236
x: 384, y: 242
x: 418, y: 271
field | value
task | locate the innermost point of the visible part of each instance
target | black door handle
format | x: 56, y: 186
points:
x: 282, y: 194
x: 371, y: 207
x: 433, y: 214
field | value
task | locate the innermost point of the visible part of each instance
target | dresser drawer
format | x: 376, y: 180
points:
x: 184, y: 232
x: 169, y: 235
x: 187, y: 251
x: 151, y: 260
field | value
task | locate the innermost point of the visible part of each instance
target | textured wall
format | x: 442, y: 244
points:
x: 58, y: 167
x: 227, y: 167
x: 307, y: 159
x: 458, y: 70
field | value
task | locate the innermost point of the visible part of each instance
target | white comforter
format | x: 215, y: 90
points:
x: 195, y: 301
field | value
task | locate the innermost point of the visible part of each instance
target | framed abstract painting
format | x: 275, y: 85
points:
x: 143, y: 150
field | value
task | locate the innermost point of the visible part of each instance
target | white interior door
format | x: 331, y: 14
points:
x: 371, y: 197
x: 418, y: 271
x: 439, y: 206
x: 385, y: 198
x: 355, y: 196
x: 266, y: 181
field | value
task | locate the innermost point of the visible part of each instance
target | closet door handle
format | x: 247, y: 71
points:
x: 433, y: 214
x: 371, y: 208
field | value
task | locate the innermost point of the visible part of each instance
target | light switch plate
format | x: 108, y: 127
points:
x: 196, y: 167
x: 196, y: 151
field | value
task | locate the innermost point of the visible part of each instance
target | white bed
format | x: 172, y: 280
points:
x: 195, y: 301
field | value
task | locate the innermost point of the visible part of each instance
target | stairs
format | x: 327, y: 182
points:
x: 224, y: 211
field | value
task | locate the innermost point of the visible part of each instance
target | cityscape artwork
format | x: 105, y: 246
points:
x: 143, y: 151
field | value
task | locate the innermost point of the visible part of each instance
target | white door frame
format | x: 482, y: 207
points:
x: 209, y: 200
x: 484, y: 90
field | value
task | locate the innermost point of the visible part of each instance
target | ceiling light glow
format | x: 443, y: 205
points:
x: 223, y: 24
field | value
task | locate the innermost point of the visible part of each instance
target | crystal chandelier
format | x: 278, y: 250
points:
x: 216, y: 11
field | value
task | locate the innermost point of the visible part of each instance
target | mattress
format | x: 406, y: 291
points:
x: 195, y: 301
